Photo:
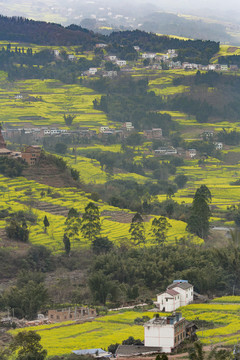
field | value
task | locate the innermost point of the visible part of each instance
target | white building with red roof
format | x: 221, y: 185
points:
x: 179, y: 293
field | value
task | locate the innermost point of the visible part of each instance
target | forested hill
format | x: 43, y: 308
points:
x: 152, y: 42
x: 43, y: 33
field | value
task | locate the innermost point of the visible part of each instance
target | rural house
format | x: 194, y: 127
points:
x: 81, y: 313
x: 31, y: 154
x: 165, y: 333
x: 179, y: 293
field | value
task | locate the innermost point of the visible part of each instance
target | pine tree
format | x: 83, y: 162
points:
x: 90, y: 224
x: 67, y: 244
x: 137, y: 230
x: 198, y: 221
x: 46, y: 223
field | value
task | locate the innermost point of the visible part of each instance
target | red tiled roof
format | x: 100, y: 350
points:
x: 172, y: 292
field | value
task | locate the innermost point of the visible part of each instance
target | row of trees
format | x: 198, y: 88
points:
x: 90, y: 227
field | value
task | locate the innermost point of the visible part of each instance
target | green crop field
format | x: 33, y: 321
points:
x: 116, y: 327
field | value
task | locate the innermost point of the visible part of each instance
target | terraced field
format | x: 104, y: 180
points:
x: 57, y: 99
x: 22, y: 194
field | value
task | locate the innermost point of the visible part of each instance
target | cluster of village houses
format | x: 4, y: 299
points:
x: 35, y: 134
x: 156, y: 62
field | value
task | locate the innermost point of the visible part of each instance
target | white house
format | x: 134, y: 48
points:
x: 92, y: 71
x: 112, y: 57
x: 137, y: 48
x: 149, y: 55
x: 128, y: 125
x: 218, y: 145
x: 121, y: 62
x: 101, y: 45
x: 191, y: 153
x: 179, y: 293
x: 224, y: 67
x: 56, y: 52
x: 212, y: 66
x: 165, y: 332
x: 103, y: 129
x: 166, y: 151
x: 71, y: 57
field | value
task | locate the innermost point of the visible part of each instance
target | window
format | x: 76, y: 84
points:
x: 58, y: 317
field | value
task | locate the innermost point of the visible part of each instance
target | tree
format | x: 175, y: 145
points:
x: 196, y: 352
x: 46, y: 223
x: 61, y: 148
x: 137, y: 230
x: 69, y: 119
x: 26, y: 345
x: 67, y: 244
x: 101, y: 286
x: 159, y: 229
x: 198, y: 221
x: 102, y: 245
x: 73, y: 223
x: 26, y: 299
x: 181, y: 180
x: 90, y: 224
x: 17, y: 231
x: 162, y: 357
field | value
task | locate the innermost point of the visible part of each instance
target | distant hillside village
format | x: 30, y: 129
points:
x: 37, y: 135
x: 150, y: 60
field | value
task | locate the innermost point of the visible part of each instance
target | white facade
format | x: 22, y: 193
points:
x: 112, y: 58
x: 169, y: 301
x: 218, y: 145
x: 180, y: 293
x: 71, y: 57
x: 104, y: 128
x: 224, y: 67
x: 92, y: 71
x: 165, y: 332
x: 121, y: 62
x: 148, y: 55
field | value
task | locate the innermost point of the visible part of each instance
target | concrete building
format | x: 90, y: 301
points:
x: 149, y: 55
x: 218, y: 145
x: 155, y: 133
x: 121, y: 62
x: 166, y: 151
x: 179, y: 293
x: 165, y: 333
x: 191, y: 153
x: 92, y: 71
x: 81, y: 313
x: 128, y: 126
x: 31, y: 154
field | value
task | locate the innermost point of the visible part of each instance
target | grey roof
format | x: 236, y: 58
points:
x: 131, y: 350
x: 93, y: 352
x: 183, y: 285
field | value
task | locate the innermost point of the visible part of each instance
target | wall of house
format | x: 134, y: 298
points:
x: 69, y: 314
x: 159, y: 336
x: 186, y: 295
x: 168, y: 304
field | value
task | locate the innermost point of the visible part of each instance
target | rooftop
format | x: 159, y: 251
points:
x: 131, y: 350
x: 181, y: 285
